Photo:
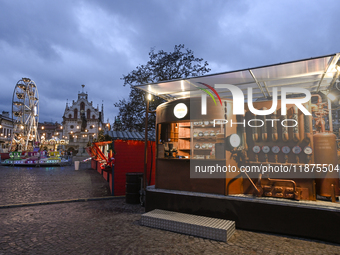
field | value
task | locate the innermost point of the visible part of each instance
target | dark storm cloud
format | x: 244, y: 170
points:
x: 63, y: 44
x: 47, y: 42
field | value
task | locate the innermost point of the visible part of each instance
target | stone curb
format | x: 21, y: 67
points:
x: 60, y: 201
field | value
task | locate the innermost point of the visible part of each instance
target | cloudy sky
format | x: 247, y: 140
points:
x: 66, y: 43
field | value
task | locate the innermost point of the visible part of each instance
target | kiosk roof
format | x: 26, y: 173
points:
x: 315, y: 74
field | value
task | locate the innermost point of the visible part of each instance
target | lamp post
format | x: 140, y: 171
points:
x: 1, y: 132
x: 146, y: 145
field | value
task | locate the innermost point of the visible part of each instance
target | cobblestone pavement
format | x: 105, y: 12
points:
x: 35, y: 184
x: 108, y: 226
x: 112, y: 227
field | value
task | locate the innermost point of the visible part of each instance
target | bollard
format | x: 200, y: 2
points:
x: 76, y: 165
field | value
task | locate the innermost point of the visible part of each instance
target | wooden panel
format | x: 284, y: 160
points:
x: 184, y: 139
x: 174, y: 174
x: 130, y: 159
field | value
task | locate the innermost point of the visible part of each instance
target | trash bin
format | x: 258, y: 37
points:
x: 133, y: 186
x: 76, y: 165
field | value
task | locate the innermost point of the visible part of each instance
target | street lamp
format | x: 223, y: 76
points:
x: 146, y: 145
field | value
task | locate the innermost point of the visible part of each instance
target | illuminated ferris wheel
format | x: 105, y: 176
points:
x: 25, y: 114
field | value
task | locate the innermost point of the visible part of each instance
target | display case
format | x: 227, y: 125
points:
x: 190, y: 140
x: 206, y: 138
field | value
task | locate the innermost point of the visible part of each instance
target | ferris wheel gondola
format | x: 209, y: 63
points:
x: 25, y: 115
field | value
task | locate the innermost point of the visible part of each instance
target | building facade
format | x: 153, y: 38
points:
x: 50, y: 130
x: 6, y: 131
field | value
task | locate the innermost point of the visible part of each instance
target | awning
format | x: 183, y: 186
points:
x: 315, y: 74
x: 125, y: 135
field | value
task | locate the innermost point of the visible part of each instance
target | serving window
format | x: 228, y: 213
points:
x: 190, y: 140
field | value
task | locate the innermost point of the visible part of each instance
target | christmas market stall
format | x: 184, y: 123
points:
x: 257, y: 146
x: 123, y: 158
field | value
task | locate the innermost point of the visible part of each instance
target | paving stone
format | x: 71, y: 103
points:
x: 107, y: 226
x: 35, y: 184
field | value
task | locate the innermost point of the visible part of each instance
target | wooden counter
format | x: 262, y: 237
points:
x: 174, y: 174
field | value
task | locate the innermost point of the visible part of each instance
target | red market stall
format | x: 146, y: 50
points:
x: 124, y: 155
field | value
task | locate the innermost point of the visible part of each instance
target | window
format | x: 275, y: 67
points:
x: 69, y: 116
x: 75, y: 113
x: 93, y: 117
x: 88, y: 114
x: 71, y: 126
x: 82, y: 106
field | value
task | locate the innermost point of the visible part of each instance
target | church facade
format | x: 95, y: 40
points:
x: 82, y: 122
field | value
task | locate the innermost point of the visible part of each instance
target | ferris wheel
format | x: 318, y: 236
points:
x: 25, y: 114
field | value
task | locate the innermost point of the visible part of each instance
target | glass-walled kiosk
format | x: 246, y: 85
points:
x: 186, y: 136
x: 287, y: 159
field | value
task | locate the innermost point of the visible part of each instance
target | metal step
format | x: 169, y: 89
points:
x: 200, y: 226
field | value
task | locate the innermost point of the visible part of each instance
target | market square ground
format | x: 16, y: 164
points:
x: 105, y: 225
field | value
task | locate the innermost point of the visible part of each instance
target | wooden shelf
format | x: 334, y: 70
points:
x: 184, y: 137
x: 205, y: 138
x: 187, y: 123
